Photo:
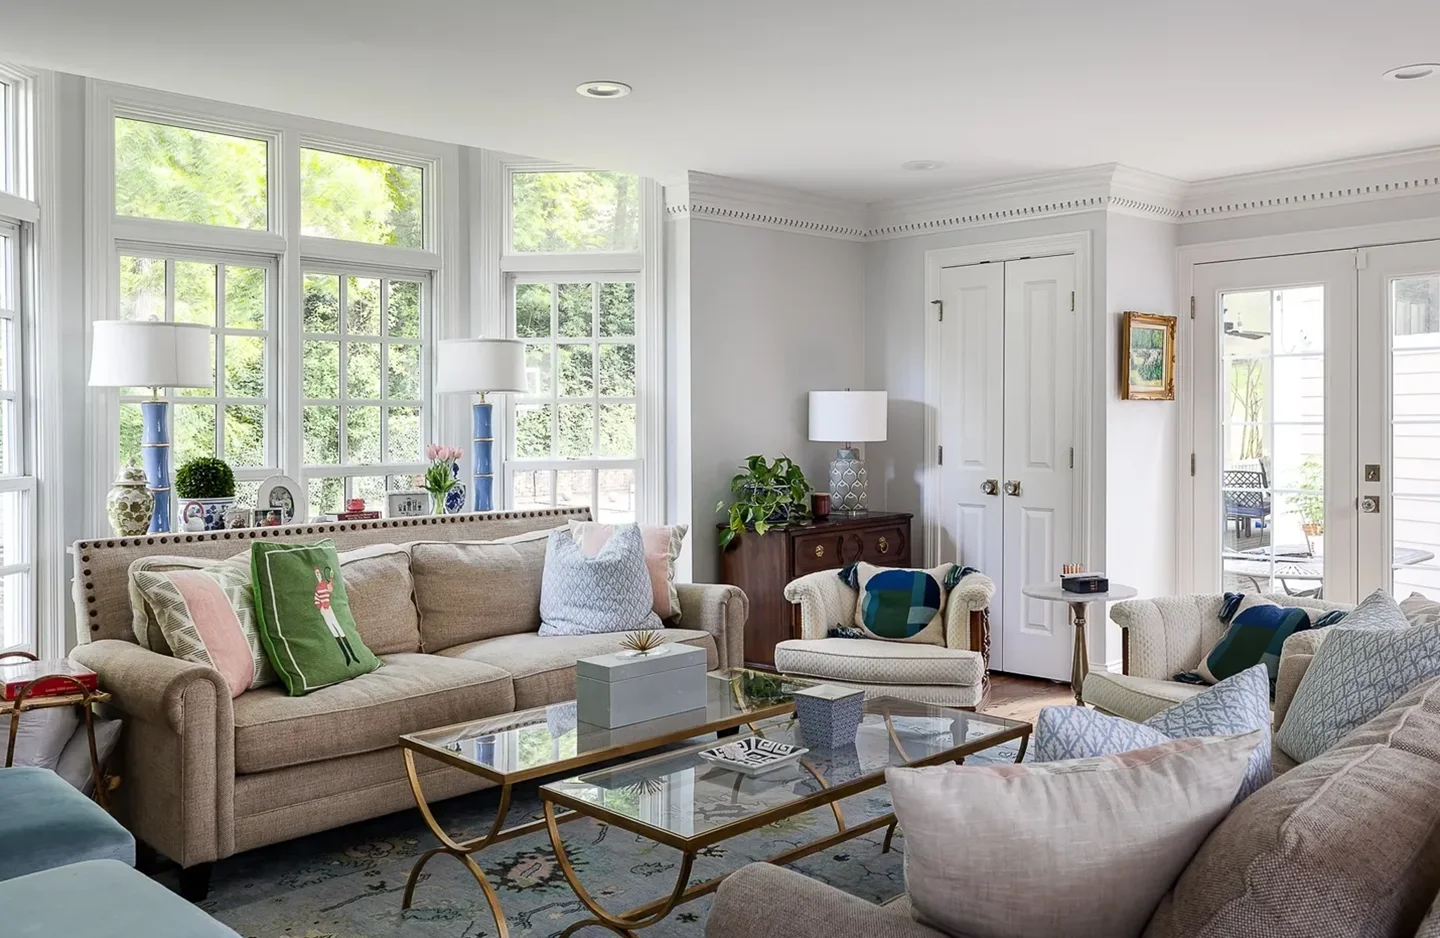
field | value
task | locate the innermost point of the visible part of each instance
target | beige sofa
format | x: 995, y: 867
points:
x: 455, y: 620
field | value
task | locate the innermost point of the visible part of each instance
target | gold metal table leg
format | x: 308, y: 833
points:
x: 1080, y: 666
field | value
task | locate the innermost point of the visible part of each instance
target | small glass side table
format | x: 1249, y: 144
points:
x: 81, y: 697
x: 1052, y: 592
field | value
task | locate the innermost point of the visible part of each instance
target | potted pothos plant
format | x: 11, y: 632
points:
x: 765, y: 495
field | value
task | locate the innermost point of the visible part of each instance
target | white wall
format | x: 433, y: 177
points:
x: 772, y: 316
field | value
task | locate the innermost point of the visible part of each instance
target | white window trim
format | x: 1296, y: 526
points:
x: 496, y: 269
x: 285, y: 135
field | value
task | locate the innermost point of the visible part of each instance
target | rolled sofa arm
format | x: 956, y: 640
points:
x: 178, y: 778
x: 720, y: 610
x: 1295, y: 657
x: 745, y: 907
x: 825, y: 601
x: 962, y: 628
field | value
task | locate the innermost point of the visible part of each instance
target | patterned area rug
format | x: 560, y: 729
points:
x: 347, y: 883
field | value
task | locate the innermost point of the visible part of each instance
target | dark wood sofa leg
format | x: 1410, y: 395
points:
x: 195, y: 882
x: 147, y: 860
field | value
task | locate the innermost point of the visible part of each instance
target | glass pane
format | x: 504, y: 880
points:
x: 245, y: 297
x: 532, y: 310
x: 575, y: 211
x: 615, y: 503
x: 577, y: 371
x: 617, y: 309
x: 532, y: 431
x: 7, y: 345
x: 15, y: 624
x: 1299, y: 393
x: 245, y: 435
x: 371, y: 490
x: 617, y: 371
x: 322, y: 436
x: 533, y: 489
x: 1299, y: 315
x: 326, y: 495
x: 362, y: 436
x: 204, y: 392
x: 572, y: 488
x: 179, y: 174
x: 245, y: 366
x: 9, y: 439
x: 403, y: 428
x: 404, y: 373
x: 195, y: 292
x: 130, y: 427
x: 246, y: 493
x: 576, y: 303
x: 404, y: 309
x: 322, y: 303
x: 577, y: 431
x: 194, y: 432
x: 617, y: 429
x: 362, y: 370
x: 362, y: 306
x: 322, y: 369
x: 12, y: 528
x: 1415, y: 434
x: 359, y: 199
x: 537, y: 369
x: 142, y: 288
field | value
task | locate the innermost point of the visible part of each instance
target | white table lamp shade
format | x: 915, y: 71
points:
x: 847, y: 416
x: 479, y: 365
x: 148, y: 354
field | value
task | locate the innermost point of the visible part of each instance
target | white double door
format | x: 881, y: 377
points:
x: 1317, y: 423
x: 1006, y: 431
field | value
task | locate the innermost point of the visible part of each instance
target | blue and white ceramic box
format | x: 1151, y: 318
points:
x: 829, y: 715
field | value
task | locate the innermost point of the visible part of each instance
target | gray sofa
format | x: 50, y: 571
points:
x: 454, y: 617
x: 1345, y: 845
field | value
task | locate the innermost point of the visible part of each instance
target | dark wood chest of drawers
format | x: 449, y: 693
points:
x: 762, y: 565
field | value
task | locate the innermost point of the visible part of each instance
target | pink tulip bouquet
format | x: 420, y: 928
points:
x: 440, y: 476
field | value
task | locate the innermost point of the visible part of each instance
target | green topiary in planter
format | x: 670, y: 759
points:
x: 204, y: 478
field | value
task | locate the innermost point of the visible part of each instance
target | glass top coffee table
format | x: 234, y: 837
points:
x: 549, y: 741
x: 681, y: 800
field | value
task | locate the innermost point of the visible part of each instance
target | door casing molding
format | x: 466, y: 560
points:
x: 1079, y: 244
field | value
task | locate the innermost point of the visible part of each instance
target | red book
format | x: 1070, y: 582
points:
x: 358, y: 516
x: 15, y: 676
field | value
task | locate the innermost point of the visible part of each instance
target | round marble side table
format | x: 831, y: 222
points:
x: 1051, y: 592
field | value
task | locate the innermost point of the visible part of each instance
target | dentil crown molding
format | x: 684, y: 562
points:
x: 1109, y: 187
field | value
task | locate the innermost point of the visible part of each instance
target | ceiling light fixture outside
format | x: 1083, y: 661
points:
x: 602, y: 89
x: 1412, y: 72
x: 921, y: 166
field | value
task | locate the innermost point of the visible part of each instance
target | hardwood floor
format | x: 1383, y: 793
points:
x: 1020, y: 698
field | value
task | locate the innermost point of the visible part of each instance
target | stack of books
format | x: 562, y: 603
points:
x: 14, y: 677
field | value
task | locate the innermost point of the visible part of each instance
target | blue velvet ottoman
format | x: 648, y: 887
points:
x: 100, y: 899
x: 45, y: 823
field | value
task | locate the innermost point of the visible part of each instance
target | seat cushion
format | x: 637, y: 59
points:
x: 868, y: 661
x: 45, y: 823
x: 412, y: 692
x: 543, y: 666
x: 108, y: 897
x: 1134, y: 698
x: 467, y: 591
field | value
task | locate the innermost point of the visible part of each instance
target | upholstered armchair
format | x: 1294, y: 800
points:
x: 953, y: 675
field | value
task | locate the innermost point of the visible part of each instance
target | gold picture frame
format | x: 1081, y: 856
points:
x: 1147, y: 357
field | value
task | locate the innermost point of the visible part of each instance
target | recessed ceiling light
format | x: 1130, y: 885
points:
x: 1412, y: 72
x: 922, y: 166
x: 603, y: 89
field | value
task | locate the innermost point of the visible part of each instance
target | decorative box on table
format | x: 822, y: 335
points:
x: 625, y: 688
x: 829, y: 715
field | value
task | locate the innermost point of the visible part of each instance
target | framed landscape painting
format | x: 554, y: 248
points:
x: 1147, y: 357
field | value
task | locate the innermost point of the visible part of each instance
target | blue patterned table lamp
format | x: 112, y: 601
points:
x: 155, y: 355
x: 480, y: 366
x: 848, y: 417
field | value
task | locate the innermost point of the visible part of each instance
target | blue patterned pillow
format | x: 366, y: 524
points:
x: 1367, y: 663
x: 609, y: 592
x: 1237, y: 705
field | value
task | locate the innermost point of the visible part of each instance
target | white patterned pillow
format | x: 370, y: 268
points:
x: 1238, y: 704
x: 609, y: 592
x: 1368, y: 662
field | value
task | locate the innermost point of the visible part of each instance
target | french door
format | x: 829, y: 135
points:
x: 1317, y: 423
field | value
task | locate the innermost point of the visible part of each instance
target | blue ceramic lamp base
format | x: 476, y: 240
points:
x: 484, y: 448
x: 155, y: 453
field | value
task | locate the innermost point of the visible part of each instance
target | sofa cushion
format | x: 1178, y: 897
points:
x: 543, y: 666
x: 872, y: 661
x: 472, y: 590
x: 1347, y: 844
x: 412, y: 692
x: 382, y: 597
x: 1134, y: 698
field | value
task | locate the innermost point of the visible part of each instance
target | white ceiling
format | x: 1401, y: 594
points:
x: 828, y: 96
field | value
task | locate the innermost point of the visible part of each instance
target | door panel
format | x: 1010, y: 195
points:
x: 1039, y: 427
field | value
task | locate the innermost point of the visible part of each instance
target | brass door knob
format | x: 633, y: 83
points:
x: 990, y: 486
x: 1012, y: 487
x: 819, y: 550
x: 884, y: 545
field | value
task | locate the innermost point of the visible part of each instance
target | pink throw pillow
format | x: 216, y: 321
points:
x: 662, y: 546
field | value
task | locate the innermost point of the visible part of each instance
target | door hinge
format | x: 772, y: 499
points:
x: 940, y: 307
x: 942, y: 455
x: 1072, y: 457
x: 1072, y: 301
x: 1192, y: 464
x: 1192, y: 307
x: 1362, y: 259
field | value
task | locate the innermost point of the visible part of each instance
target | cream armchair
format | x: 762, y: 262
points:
x: 955, y: 675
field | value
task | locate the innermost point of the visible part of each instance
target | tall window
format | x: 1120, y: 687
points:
x: 17, y: 485
x: 574, y: 432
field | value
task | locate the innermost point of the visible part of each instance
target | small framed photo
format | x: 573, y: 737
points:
x: 267, y: 517
x: 280, y: 492
x: 1147, y: 357
x: 406, y: 504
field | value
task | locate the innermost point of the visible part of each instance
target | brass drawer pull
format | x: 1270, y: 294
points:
x: 884, y: 545
x: 819, y: 550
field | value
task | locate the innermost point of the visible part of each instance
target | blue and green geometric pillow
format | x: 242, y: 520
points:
x: 902, y: 605
x: 1256, y: 634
